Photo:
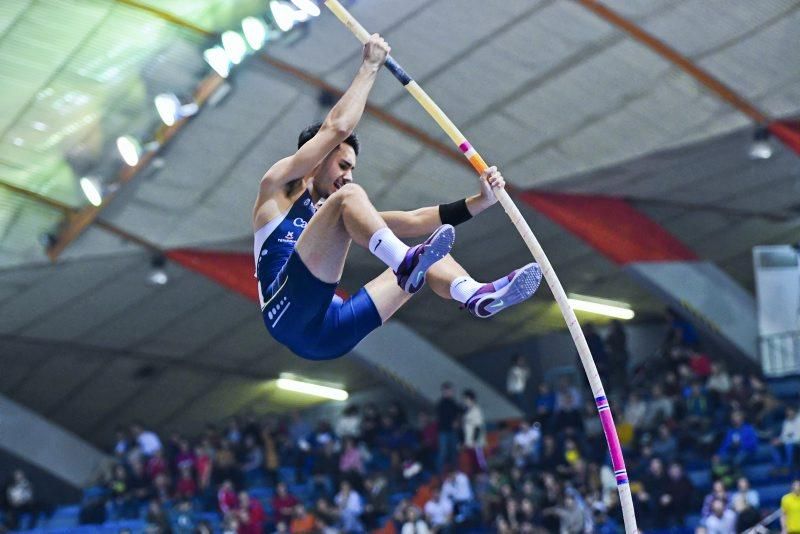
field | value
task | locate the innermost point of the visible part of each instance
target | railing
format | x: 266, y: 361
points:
x: 780, y: 353
x: 761, y: 526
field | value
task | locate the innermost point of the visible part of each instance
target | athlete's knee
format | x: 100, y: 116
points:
x: 351, y: 194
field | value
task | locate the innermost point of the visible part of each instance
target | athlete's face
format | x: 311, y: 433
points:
x: 336, y: 170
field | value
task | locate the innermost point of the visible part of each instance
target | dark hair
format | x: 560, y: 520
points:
x: 469, y: 394
x: 312, y: 130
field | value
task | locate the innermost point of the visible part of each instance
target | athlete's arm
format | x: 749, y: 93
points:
x: 338, y: 125
x: 423, y: 221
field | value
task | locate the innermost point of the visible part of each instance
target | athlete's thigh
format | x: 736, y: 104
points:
x: 324, y: 243
x: 386, y: 294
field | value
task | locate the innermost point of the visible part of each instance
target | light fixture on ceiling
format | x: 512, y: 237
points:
x: 283, y: 14
x: 130, y: 149
x: 307, y: 6
x: 170, y: 108
x: 255, y: 32
x: 218, y: 60
x: 309, y: 388
x: 609, y: 308
x: 234, y: 45
x: 158, y: 275
x: 92, y: 190
x: 761, y: 147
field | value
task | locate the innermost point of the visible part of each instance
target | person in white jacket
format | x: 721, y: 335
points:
x: 783, y: 447
x: 474, y: 428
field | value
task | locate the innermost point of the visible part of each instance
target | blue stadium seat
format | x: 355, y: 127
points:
x: 700, y: 479
x: 771, y: 495
x: 287, y: 474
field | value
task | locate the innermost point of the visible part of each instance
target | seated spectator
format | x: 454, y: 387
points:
x: 721, y: 519
x: 570, y: 515
x: 225, y: 466
x: 719, y: 382
x: 327, y: 515
x: 740, y: 443
x: 526, y: 442
x: 635, y: 410
x: 679, y: 493
x: 723, y: 471
x: 253, y: 465
x: 20, y: 500
x: 349, y: 424
x: 697, y: 406
x: 251, y: 515
x: 665, y: 445
x: 660, y: 408
x: 439, y: 511
x: 157, y: 518
x: 146, y: 440
x: 283, y: 503
x: 718, y: 494
x: 227, y: 500
x: 681, y: 332
x: 750, y: 495
x: 351, y: 461
x: 544, y: 405
x: 568, y: 402
x: 456, y: 487
x: 302, y: 522
x: 376, y: 500
x: 414, y: 524
x: 204, y: 466
x: 784, y: 447
x: 348, y: 503
x: 93, y: 511
x: 185, y: 456
x: 156, y: 465
x: 653, y: 497
x: 186, y: 487
x: 122, y: 444
x: 184, y: 520
x: 747, y: 516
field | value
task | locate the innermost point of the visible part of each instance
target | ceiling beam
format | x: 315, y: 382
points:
x: 676, y: 58
x: 70, y: 211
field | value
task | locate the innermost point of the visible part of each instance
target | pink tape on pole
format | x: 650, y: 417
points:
x: 465, y: 146
x: 607, y: 420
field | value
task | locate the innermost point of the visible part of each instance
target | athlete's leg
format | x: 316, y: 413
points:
x: 386, y: 294
x: 442, y: 274
x: 346, y: 215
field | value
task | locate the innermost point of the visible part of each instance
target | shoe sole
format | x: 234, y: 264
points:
x: 441, y: 243
x: 519, y: 289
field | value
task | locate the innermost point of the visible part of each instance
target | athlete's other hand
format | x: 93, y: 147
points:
x: 490, y: 180
x: 375, y: 51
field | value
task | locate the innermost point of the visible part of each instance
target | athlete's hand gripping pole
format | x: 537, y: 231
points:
x: 513, y: 212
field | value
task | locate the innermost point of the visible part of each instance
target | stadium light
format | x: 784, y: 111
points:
x: 170, y: 108
x: 307, y: 6
x: 255, y: 32
x: 158, y: 275
x: 217, y: 58
x: 92, y: 190
x: 307, y: 388
x: 130, y: 149
x: 283, y: 14
x: 234, y: 46
x: 761, y: 147
x: 609, y: 308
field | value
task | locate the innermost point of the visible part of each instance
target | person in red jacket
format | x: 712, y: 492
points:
x: 226, y: 498
x: 251, y: 515
x: 283, y: 503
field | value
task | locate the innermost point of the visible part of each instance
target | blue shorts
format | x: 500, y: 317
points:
x: 307, y: 316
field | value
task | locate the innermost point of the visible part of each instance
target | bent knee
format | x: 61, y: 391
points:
x: 350, y: 190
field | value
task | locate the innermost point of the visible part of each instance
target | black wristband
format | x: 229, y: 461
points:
x: 454, y: 213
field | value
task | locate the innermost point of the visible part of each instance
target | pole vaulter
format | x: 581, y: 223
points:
x: 477, y: 162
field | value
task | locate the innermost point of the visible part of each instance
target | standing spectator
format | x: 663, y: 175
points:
x: 719, y: 383
x: 147, y: 440
x: 517, y: 381
x: 157, y: 465
x: 474, y: 429
x: 447, y: 414
x: 681, y: 333
x: 617, y: 345
x: 721, y: 520
x: 428, y: 439
x: 351, y: 463
x: 122, y: 444
x: 784, y: 446
x: 186, y: 487
x: 439, y: 511
x: 414, y: 523
x: 598, y: 349
x: 570, y: 515
x: 185, y: 457
x: 653, y: 496
x: 376, y: 500
x: 790, y: 509
x: 283, y: 503
x: 204, y: 466
x: 348, y: 503
x: 19, y: 496
x: 740, y: 443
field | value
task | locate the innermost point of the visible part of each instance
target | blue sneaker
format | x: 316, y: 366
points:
x: 522, y: 284
x: 411, y: 272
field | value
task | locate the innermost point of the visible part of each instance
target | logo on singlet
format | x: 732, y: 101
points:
x: 300, y: 223
x: 288, y: 239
